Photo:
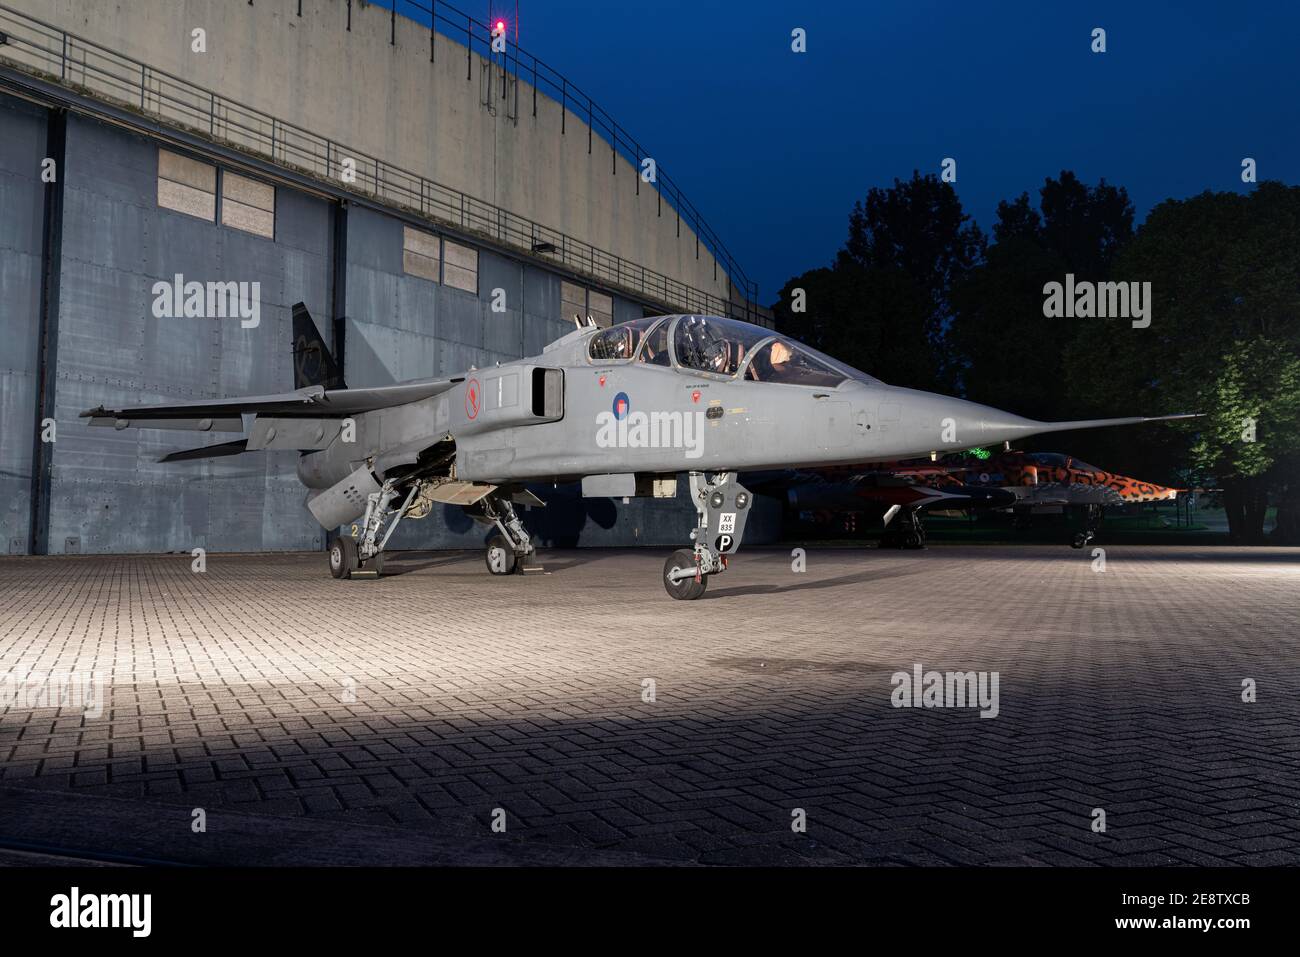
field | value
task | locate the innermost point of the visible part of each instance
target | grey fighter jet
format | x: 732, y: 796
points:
x: 625, y: 410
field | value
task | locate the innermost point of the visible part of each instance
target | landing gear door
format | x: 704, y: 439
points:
x: 728, y: 507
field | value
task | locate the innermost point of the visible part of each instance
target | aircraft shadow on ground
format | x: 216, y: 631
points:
x: 857, y: 578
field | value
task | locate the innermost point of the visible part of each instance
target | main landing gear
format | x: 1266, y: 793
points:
x: 722, y: 505
x: 361, y: 554
x: 511, y: 549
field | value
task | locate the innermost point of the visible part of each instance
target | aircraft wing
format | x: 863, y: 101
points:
x: 225, y: 415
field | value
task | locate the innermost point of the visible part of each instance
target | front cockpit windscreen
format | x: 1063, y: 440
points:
x: 619, y: 342
x: 713, y: 344
x: 787, y: 363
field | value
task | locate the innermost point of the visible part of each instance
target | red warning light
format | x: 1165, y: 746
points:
x: 501, y: 26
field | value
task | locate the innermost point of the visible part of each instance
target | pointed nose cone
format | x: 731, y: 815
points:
x: 1138, y: 491
x: 937, y: 423
x: 950, y: 422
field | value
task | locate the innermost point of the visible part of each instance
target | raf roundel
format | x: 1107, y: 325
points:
x: 621, y: 405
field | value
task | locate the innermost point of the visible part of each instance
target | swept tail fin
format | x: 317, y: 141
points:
x: 313, y: 363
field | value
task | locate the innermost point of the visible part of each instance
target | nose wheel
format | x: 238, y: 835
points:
x: 722, y: 505
x: 682, y: 576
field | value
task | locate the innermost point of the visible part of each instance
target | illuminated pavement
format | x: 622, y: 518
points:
x: 231, y: 692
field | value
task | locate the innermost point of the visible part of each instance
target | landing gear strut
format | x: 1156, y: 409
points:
x: 508, y: 550
x: 907, y: 532
x: 722, y: 505
x: 1092, y: 524
x: 363, y: 550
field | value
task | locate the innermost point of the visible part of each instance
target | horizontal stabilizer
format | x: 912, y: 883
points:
x: 207, y: 451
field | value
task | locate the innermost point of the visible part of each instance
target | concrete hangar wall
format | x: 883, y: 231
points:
x: 135, y: 201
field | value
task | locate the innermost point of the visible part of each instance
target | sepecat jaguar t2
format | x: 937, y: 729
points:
x: 625, y: 410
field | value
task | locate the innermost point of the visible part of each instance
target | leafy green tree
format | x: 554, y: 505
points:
x: 1224, y: 340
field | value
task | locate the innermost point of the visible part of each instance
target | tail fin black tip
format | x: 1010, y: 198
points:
x: 313, y: 363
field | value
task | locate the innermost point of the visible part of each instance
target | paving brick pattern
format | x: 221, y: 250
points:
x: 431, y: 697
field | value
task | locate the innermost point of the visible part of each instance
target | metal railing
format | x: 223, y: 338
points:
x: 527, y: 68
x: 85, y: 66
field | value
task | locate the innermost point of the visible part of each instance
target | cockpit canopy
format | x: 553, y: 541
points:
x: 1058, y: 460
x: 718, y: 346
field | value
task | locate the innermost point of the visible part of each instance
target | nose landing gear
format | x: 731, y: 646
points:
x: 1092, y: 524
x: 722, y: 505
x: 907, y: 533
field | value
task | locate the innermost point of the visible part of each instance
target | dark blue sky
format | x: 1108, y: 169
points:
x: 774, y: 147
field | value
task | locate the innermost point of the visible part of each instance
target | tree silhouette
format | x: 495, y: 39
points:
x: 891, y: 284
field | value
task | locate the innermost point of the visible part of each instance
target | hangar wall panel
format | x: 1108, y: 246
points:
x: 109, y: 493
x: 22, y: 199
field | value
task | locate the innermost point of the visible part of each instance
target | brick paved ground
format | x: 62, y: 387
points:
x: 229, y: 691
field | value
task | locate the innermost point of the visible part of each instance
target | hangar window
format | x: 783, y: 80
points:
x: 421, y: 255
x: 573, y: 301
x: 460, y: 266
x: 601, y: 308
x: 578, y: 301
x: 187, y: 186
x: 248, y: 205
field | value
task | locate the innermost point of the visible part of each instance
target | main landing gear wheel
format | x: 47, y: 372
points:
x: 690, y: 587
x: 376, y: 564
x: 343, y: 557
x: 500, y: 557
